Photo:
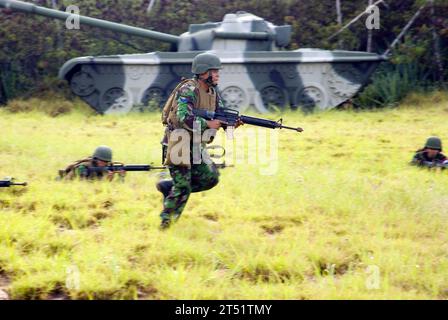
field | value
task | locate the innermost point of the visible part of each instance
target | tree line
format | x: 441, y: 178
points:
x: 33, y: 48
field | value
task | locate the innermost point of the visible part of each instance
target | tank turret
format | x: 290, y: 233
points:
x: 239, y: 32
x: 257, y: 69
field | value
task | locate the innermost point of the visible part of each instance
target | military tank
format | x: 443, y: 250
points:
x: 257, y: 70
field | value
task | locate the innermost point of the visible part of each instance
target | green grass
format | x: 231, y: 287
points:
x: 343, y: 201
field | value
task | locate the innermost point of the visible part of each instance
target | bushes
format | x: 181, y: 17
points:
x: 427, y: 99
x: 391, y: 84
x: 51, y: 105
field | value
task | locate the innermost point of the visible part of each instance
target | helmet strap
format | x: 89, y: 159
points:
x: 209, y: 80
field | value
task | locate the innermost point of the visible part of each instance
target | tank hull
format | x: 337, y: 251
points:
x: 304, y: 78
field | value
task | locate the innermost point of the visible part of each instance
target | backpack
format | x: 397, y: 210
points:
x: 170, y: 108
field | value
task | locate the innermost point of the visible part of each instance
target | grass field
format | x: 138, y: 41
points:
x: 343, y: 217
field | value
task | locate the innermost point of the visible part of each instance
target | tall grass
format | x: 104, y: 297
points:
x: 345, y: 216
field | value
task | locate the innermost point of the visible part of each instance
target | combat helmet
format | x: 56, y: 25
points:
x: 204, y: 62
x: 103, y: 153
x: 434, y: 143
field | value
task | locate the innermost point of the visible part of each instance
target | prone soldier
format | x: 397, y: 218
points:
x: 430, y: 155
x: 102, y: 157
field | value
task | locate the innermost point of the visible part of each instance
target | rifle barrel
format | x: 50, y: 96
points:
x: 139, y: 167
x: 298, y: 129
x: 8, y: 183
x: 19, y: 184
x: 271, y: 124
x: 129, y: 167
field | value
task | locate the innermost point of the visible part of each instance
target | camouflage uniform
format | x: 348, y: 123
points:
x: 421, y: 159
x: 196, y: 177
x: 80, y: 169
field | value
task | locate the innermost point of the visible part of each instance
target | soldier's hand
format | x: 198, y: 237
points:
x: 213, y: 124
x: 110, y: 175
x: 239, y: 123
x: 121, y: 173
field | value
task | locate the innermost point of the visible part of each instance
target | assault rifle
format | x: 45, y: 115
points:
x: 116, y: 167
x: 430, y: 164
x: 140, y: 167
x: 137, y: 167
x: 122, y: 167
x: 231, y: 117
x: 129, y: 167
x: 8, y: 182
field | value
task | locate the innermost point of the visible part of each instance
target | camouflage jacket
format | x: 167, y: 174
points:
x: 187, y: 99
x: 80, y: 169
x: 421, y: 159
x: 189, y: 96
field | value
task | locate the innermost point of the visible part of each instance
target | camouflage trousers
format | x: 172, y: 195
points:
x: 199, y: 177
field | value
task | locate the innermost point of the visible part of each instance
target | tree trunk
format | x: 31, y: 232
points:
x: 436, y: 43
x: 3, y: 97
x: 339, y: 19
x: 150, y: 6
x: 405, y: 29
x: 59, y: 43
x: 369, y: 34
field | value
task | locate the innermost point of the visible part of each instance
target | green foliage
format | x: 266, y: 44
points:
x: 391, y: 84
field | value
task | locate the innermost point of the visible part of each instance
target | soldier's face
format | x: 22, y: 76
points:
x: 214, y: 73
x: 215, y: 76
x: 432, y: 153
x: 101, y: 163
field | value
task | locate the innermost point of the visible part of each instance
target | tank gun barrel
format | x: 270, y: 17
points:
x: 117, y: 27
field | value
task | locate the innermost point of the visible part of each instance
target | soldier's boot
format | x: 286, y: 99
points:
x: 166, y: 223
x: 165, y: 186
